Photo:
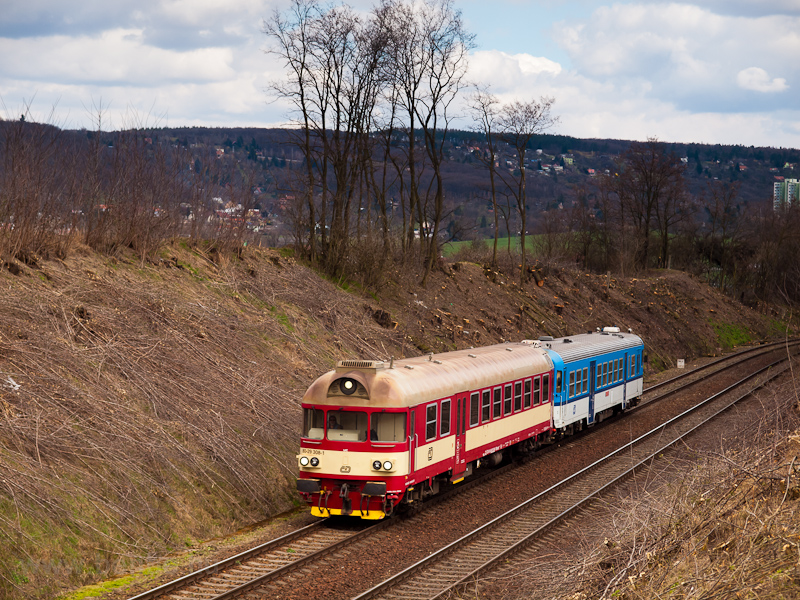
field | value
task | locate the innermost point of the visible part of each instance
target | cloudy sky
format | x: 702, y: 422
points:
x: 709, y: 71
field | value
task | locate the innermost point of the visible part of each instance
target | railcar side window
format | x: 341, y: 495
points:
x: 571, y: 379
x: 388, y: 427
x: 537, y: 393
x: 527, y: 393
x: 498, y: 401
x: 507, y: 400
x: 599, y: 383
x: 474, y: 409
x: 486, y: 406
x: 546, y: 388
x: 632, y: 363
x: 585, y: 379
x: 518, y: 396
x: 444, y: 428
x: 605, y: 373
x: 313, y: 423
x: 578, y: 382
x: 558, y: 382
x: 430, y: 422
x: 620, y: 367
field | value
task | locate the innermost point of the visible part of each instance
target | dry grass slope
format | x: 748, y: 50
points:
x: 146, y: 405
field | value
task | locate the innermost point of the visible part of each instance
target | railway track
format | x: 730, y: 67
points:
x: 276, y: 560
x: 467, y: 558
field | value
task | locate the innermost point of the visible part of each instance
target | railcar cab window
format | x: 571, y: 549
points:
x: 388, y: 427
x: 430, y: 422
x: 347, y: 426
x: 313, y: 423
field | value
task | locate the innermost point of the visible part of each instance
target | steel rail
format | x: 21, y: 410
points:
x: 219, y: 567
x: 451, y: 548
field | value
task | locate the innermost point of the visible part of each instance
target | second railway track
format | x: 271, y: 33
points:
x: 319, y: 549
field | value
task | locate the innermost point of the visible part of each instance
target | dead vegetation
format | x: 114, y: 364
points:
x: 726, y: 525
x: 148, y: 404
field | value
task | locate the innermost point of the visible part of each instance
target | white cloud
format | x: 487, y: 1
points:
x: 758, y: 80
x: 689, y: 56
x: 506, y: 71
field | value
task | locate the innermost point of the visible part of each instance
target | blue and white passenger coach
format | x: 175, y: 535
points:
x: 596, y: 375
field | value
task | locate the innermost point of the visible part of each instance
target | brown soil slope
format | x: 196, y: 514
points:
x: 146, y: 406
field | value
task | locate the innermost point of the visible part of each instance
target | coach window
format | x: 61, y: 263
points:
x: 388, y: 427
x: 518, y: 396
x: 571, y: 379
x: 444, y: 426
x: 313, y: 423
x: 585, y: 379
x: 578, y: 382
x: 605, y: 373
x: 620, y: 369
x: 486, y: 406
x: 507, y: 400
x: 430, y: 422
x: 632, y: 362
x: 537, y: 392
x: 558, y: 382
x: 527, y: 393
x: 474, y: 409
x: 546, y: 388
x: 498, y: 401
x: 599, y: 383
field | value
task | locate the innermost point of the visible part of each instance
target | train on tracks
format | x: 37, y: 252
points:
x: 378, y: 434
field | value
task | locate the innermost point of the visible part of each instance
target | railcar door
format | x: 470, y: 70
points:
x: 459, y: 463
x: 592, y: 389
x: 412, y: 441
x: 625, y: 381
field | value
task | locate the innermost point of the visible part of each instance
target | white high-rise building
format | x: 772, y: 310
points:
x: 786, y: 193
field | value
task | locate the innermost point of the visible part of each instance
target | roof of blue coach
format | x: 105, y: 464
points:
x: 587, y: 345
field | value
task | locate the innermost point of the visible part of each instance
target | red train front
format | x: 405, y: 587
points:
x: 376, y: 434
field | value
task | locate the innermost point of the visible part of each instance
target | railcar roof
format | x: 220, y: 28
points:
x: 586, y: 345
x: 412, y: 381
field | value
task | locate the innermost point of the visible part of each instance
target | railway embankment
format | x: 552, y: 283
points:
x: 149, y: 406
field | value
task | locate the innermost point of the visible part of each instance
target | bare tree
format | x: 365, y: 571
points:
x: 519, y: 123
x: 648, y: 187
x: 485, y: 112
x: 429, y: 47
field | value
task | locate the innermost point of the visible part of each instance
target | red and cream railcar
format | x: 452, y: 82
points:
x: 376, y: 434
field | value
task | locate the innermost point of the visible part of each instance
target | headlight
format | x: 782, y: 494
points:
x: 376, y: 465
x: 303, y: 461
x: 348, y: 386
x: 314, y: 462
x: 388, y: 465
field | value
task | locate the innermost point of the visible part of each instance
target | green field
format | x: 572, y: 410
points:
x: 451, y: 248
